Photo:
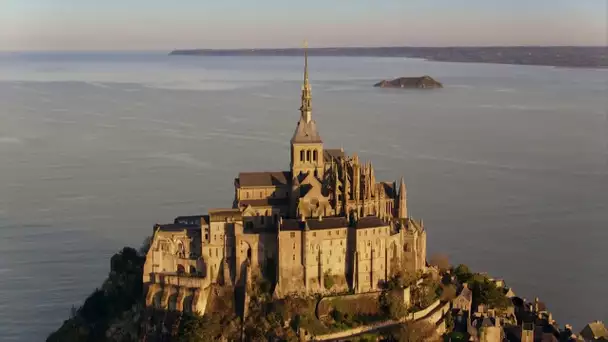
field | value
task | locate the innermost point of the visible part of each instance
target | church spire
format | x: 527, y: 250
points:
x: 402, y: 201
x: 306, y: 107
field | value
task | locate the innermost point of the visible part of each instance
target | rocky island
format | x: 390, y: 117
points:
x: 423, y: 82
x: 322, y: 251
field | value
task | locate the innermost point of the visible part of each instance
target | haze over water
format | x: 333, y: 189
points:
x: 507, y: 164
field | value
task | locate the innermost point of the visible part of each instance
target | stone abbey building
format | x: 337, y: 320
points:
x: 325, y: 225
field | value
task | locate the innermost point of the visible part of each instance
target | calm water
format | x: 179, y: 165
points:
x: 507, y: 165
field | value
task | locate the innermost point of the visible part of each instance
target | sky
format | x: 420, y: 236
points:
x: 180, y: 24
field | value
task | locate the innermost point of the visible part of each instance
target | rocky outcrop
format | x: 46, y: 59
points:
x: 424, y: 82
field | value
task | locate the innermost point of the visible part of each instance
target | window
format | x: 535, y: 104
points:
x: 329, y: 233
x: 341, y: 242
x: 294, y: 245
x: 302, y: 155
x: 261, y: 194
x: 314, y: 234
x: 214, y: 237
x: 314, y: 155
x: 292, y: 234
x: 308, y: 155
x: 216, y: 251
x: 293, y: 257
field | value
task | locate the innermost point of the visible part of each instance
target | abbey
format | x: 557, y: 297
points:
x: 325, y: 225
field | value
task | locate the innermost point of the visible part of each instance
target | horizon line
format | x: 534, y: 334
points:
x: 310, y: 48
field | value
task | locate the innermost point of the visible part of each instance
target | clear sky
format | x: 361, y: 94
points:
x: 169, y: 24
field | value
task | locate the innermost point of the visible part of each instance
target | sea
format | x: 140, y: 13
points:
x: 507, y: 164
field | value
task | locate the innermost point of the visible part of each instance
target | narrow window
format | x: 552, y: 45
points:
x: 292, y: 234
x: 308, y: 155
x: 314, y: 155
x: 302, y: 155
x: 314, y: 234
x: 293, y: 257
x: 247, y: 194
x: 294, y: 245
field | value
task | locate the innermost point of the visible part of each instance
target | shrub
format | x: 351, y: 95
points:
x: 328, y: 281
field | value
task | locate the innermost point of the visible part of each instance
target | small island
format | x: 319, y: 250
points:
x: 423, y: 82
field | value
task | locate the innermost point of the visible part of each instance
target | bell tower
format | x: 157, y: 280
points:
x: 306, y: 143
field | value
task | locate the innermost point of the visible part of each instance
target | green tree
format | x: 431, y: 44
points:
x: 441, y: 261
x: 328, y: 280
x: 195, y: 328
x: 463, y: 273
x: 414, y: 331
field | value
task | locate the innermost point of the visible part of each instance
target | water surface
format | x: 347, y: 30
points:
x: 507, y: 164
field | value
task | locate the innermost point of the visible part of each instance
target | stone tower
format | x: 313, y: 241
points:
x: 306, y: 144
x: 402, y: 201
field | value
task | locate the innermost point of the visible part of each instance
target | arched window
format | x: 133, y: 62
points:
x: 181, y: 269
x: 301, y: 155
x: 192, y: 270
x: 308, y: 155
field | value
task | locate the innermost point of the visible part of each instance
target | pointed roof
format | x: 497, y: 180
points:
x: 306, y: 131
x: 402, y: 189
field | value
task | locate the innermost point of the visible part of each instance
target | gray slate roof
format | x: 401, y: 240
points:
x: 315, y: 224
x: 280, y: 178
x: 370, y: 222
x: 306, y: 133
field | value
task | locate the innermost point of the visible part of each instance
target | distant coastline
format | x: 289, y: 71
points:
x: 558, y: 56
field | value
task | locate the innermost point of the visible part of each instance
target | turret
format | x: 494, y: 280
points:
x: 402, y: 201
